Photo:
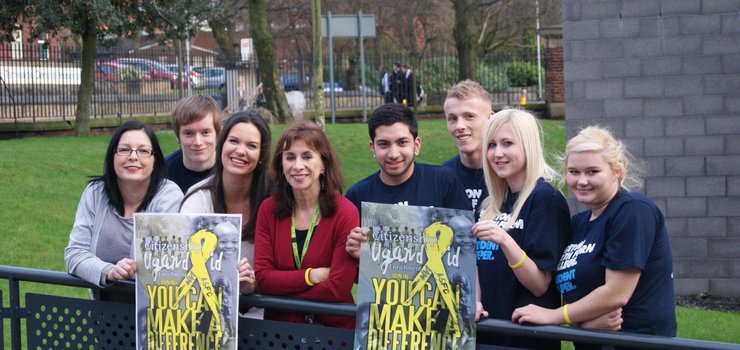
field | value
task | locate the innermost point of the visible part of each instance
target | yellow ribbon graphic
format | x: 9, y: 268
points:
x: 206, y: 240
x: 437, y: 239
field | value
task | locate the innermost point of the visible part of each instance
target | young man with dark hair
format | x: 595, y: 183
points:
x: 196, y: 121
x: 395, y: 142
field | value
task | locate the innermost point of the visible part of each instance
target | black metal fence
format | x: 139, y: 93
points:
x: 40, y: 82
x: 54, y: 322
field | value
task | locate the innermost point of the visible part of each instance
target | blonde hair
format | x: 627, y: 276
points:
x: 526, y: 132
x: 468, y: 89
x: 599, y: 139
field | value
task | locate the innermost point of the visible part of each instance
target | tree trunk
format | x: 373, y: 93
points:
x: 264, y: 45
x: 227, y: 42
x: 465, y: 38
x: 87, y: 81
x: 318, y: 64
x: 180, y: 81
x: 353, y: 73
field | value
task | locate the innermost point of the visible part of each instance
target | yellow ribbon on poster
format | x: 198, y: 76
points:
x: 206, y: 240
x: 437, y: 239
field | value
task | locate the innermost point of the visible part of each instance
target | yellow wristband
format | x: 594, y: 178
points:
x: 565, y: 314
x: 308, y: 280
x: 521, y: 261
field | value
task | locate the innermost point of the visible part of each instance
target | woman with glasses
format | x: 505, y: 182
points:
x: 133, y: 180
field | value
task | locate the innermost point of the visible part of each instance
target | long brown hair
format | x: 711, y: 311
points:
x: 260, y: 187
x: 331, y: 181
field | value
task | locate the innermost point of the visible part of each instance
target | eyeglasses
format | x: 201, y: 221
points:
x: 141, y: 152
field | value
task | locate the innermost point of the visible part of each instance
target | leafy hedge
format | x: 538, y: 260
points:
x: 521, y: 74
x: 129, y: 73
x: 439, y: 73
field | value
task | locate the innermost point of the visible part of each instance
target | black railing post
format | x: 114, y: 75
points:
x: 14, y: 104
x: 15, y: 313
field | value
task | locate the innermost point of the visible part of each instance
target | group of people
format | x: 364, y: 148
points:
x: 301, y: 236
x: 398, y: 85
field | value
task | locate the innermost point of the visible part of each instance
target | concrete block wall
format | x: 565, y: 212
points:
x: 664, y: 75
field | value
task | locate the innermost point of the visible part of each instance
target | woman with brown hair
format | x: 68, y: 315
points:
x: 302, y: 229
x: 238, y: 184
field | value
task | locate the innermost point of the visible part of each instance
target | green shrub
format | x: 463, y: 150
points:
x: 129, y: 73
x: 521, y: 74
x: 438, y: 73
x: 492, y: 76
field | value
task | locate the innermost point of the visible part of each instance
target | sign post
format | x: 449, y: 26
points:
x: 348, y: 26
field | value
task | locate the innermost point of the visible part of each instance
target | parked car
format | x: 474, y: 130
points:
x: 337, y: 87
x: 212, y: 77
x: 153, y: 69
x: 290, y: 82
x: 194, y: 77
x: 368, y: 90
x: 106, y: 70
x: 112, y: 71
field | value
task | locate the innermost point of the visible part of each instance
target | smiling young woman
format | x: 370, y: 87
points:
x: 617, y: 272
x: 133, y: 180
x: 526, y: 221
x: 238, y: 184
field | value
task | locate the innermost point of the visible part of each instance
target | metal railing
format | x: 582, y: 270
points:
x: 42, y: 87
x: 15, y: 314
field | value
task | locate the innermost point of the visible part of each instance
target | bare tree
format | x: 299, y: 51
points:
x: 318, y: 64
x: 484, y: 26
x: 224, y: 29
x: 266, y: 56
x: 179, y: 21
x: 87, y: 20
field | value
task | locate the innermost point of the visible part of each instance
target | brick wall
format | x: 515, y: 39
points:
x: 664, y: 75
x: 555, y: 84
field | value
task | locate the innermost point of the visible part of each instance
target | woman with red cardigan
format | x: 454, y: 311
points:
x: 302, y: 228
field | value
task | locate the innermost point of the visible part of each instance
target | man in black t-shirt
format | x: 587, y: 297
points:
x: 467, y: 109
x: 196, y: 121
x: 395, y: 142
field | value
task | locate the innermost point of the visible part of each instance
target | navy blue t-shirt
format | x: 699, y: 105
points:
x: 472, y: 180
x: 179, y: 174
x: 542, y: 230
x: 630, y: 233
x: 428, y: 186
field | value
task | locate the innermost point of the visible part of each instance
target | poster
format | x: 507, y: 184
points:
x: 187, y: 283
x: 416, y: 285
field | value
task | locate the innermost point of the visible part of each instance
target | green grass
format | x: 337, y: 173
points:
x: 41, y: 180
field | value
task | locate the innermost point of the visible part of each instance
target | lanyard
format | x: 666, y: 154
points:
x: 294, y: 240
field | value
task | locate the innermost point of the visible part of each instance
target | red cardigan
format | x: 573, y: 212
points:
x: 275, y: 267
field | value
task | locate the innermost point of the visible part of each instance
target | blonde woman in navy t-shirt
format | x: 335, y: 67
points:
x: 618, y: 267
x: 523, y: 228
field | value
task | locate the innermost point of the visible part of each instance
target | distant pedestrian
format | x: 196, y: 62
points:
x: 409, y: 86
x: 385, y: 86
x: 397, y: 79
